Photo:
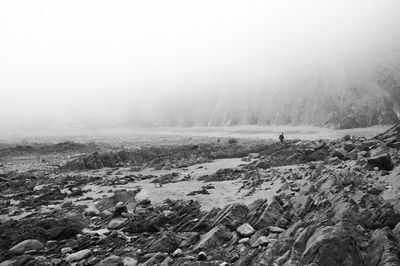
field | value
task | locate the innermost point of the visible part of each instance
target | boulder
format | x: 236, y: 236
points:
x: 26, y: 245
x: 383, y: 162
x: 332, y: 245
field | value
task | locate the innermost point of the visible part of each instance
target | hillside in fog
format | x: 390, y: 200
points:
x: 338, y: 97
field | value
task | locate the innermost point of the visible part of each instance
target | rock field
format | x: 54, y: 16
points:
x: 222, y: 202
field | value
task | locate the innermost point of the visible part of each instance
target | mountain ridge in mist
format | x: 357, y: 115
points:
x: 337, y: 97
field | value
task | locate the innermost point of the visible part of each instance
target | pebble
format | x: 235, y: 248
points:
x: 177, y: 253
x: 115, y: 223
x: 244, y: 240
x: 66, y: 250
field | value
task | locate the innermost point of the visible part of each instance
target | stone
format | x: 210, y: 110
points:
x: 262, y: 240
x: 120, y: 208
x: 348, y: 147
x: 115, y: 223
x: 51, y: 243
x: 66, y: 250
x: 244, y: 240
x: 77, y: 256
x: 167, y: 242
x: 9, y: 263
x: 111, y: 261
x: 167, y: 261
x: 275, y: 229
x: 26, y: 245
x: 214, y: 238
x: 245, y: 230
x: 177, y: 253
x: 202, y: 256
x: 338, y: 153
x: 383, y: 162
x: 332, y: 245
x: 92, y: 211
x: 106, y: 213
x: 384, y: 248
x: 130, y: 261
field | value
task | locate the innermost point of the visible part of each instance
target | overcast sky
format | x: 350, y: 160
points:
x: 93, y: 61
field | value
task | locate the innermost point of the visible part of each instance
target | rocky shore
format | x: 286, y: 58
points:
x: 313, y: 203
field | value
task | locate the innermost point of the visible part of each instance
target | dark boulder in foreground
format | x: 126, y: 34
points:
x: 383, y: 162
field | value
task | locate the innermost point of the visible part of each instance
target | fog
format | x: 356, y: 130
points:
x: 100, y: 63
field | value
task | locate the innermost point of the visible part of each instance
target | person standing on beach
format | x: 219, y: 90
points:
x: 281, y: 138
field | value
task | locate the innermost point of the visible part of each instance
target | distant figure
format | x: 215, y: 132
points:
x: 281, y: 138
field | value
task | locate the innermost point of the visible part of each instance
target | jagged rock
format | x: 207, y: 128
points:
x: 26, y: 245
x: 262, y: 215
x: 231, y: 216
x: 245, y: 230
x: 339, y: 153
x: 77, y: 256
x: 214, y: 238
x: 384, y: 249
x: 348, y: 147
x: 332, y: 245
x: 168, y: 242
x: 381, y: 216
x: 167, y: 261
x: 158, y: 257
x: 262, y: 240
x: 383, y: 162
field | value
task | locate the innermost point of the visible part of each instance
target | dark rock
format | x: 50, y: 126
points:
x: 383, y: 162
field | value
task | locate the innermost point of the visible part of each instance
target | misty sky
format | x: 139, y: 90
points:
x: 97, y: 62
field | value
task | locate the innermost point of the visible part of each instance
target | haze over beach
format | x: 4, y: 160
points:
x: 92, y: 64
